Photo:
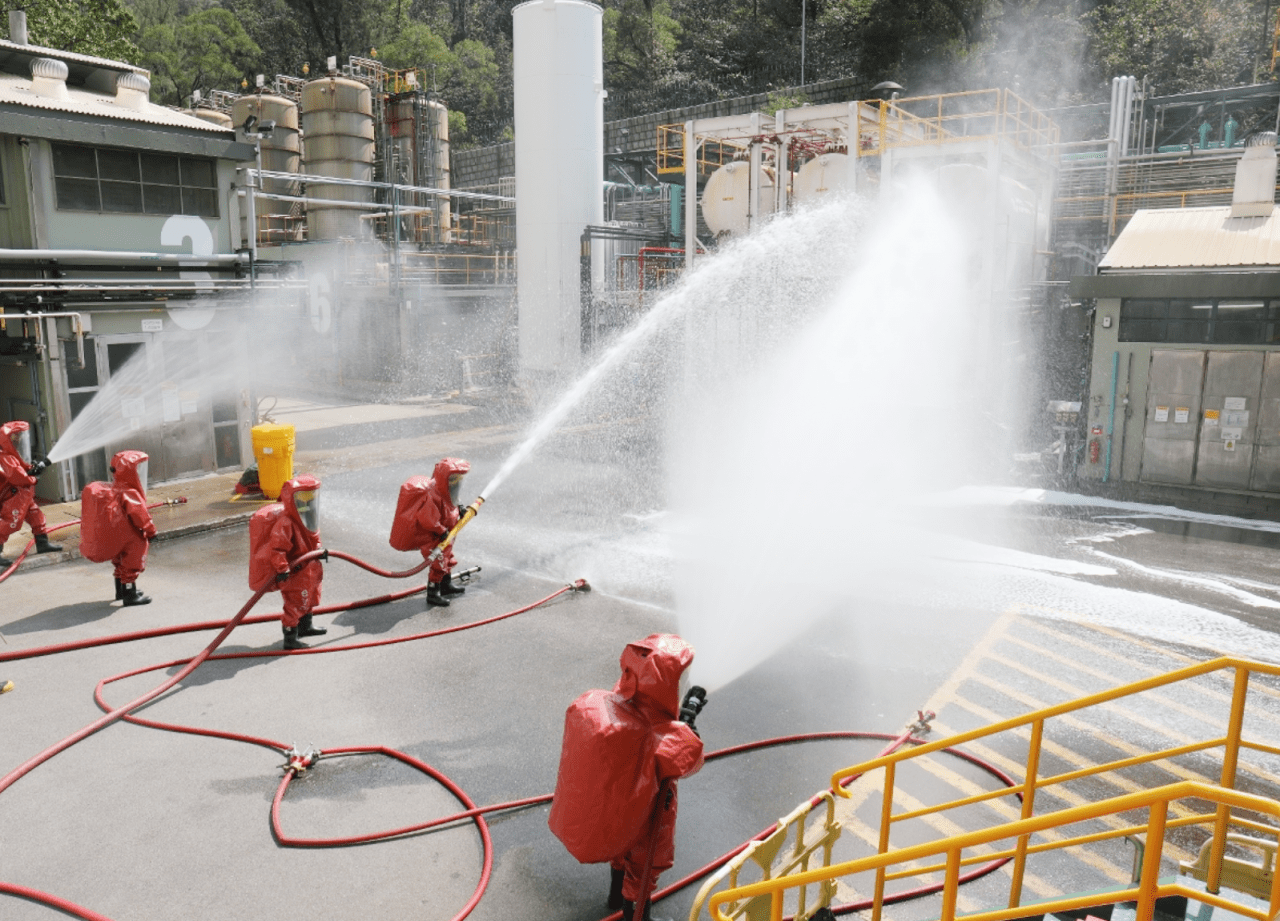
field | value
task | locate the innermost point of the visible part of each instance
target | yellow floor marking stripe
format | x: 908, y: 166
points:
x: 862, y: 788
x: 1058, y: 791
x: 1145, y: 644
x: 1009, y: 813
x: 1070, y: 757
x: 1222, y: 696
x: 1119, y: 708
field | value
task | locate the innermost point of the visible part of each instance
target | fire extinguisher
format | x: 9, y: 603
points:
x: 1095, y: 451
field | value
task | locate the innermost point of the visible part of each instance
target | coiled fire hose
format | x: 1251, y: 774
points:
x: 298, y: 762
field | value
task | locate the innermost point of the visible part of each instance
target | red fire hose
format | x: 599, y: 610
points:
x: 299, y: 762
x: 180, y: 500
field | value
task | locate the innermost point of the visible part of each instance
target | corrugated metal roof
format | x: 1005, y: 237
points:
x: 1195, y: 238
x: 15, y: 90
x: 12, y: 49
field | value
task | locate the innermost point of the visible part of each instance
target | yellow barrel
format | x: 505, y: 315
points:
x: 273, y: 449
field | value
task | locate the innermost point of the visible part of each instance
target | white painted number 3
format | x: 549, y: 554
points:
x: 177, y: 230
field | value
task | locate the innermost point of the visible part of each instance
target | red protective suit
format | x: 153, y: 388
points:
x: 426, y: 513
x: 278, y: 536
x: 17, y: 488
x: 619, y: 746
x: 116, y: 524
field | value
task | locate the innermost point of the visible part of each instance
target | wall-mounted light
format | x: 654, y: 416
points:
x: 1106, y: 321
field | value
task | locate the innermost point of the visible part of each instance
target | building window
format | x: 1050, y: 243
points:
x: 1199, y: 321
x: 130, y: 182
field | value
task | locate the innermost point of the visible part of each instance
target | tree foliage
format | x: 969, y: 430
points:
x: 668, y: 53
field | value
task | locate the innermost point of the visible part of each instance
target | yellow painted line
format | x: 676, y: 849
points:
x: 1058, y: 791
x: 1070, y: 757
x: 1118, y: 708
x: 846, y: 808
x: 1008, y: 813
x: 1138, y: 641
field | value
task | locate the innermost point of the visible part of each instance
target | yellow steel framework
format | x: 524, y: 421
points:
x: 1156, y: 802
x: 712, y: 153
x: 950, y: 118
x: 742, y: 901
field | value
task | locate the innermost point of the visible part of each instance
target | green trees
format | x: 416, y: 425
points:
x: 667, y: 53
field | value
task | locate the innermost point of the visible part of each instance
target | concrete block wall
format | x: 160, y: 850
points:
x: 486, y: 165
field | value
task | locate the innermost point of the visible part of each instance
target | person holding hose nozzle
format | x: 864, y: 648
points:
x: 427, y: 510
x: 622, y: 753
x: 115, y: 524
x: 278, y: 535
x: 18, y: 476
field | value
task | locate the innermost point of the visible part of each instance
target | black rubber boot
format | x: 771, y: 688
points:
x: 306, y: 628
x: 291, y: 640
x: 434, y: 598
x: 629, y: 912
x: 130, y: 595
x: 43, y: 545
x: 5, y: 564
x: 615, y: 888
x: 447, y: 587
x: 119, y: 590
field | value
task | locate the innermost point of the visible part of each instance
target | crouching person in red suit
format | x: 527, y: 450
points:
x: 115, y: 524
x: 18, y: 476
x: 278, y: 535
x: 622, y: 753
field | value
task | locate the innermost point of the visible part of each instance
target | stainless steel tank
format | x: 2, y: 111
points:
x: 417, y: 154
x: 337, y: 121
x: 281, y: 153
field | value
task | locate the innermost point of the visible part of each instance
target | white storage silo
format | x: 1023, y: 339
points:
x: 337, y: 122
x: 559, y: 122
x: 280, y: 154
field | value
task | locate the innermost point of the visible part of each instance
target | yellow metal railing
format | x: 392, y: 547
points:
x: 1031, y: 727
x: 947, y: 118
x: 1157, y: 802
x: 711, y: 153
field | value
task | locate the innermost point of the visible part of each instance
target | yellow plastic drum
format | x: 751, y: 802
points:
x: 273, y: 449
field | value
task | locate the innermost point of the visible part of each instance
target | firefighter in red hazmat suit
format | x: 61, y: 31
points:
x: 623, y: 750
x: 425, y: 514
x: 115, y: 524
x: 18, y: 475
x: 278, y: 535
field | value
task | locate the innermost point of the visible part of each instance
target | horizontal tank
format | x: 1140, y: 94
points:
x: 827, y: 174
x: 337, y: 122
x: 727, y: 196
x: 281, y: 153
x: 213, y: 116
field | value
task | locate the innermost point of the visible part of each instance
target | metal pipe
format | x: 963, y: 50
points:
x: 1111, y: 423
x: 361, y: 183
x: 187, y: 260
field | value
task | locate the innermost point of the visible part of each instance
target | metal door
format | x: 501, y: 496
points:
x: 1232, y: 382
x: 186, y: 433
x: 1173, y: 409
x: 1266, y: 466
x: 129, y: 362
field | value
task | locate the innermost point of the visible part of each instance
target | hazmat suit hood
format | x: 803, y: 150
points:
x: 130, y: 470
x: 443, y: 481
x: 652, y: 668
x: 301, y: 502
x: 15, y: 439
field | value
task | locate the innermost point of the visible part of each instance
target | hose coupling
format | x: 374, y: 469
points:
x: 298, y: 761
x: 180, y: 500
x: 920, y: 726
x: 580, y: 586
x: 324, y: 555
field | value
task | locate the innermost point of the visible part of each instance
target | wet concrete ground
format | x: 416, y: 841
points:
x: 137, y: 823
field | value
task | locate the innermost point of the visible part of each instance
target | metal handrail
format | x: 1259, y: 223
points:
x: 1035, y: 721
x: 1148, y: 889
